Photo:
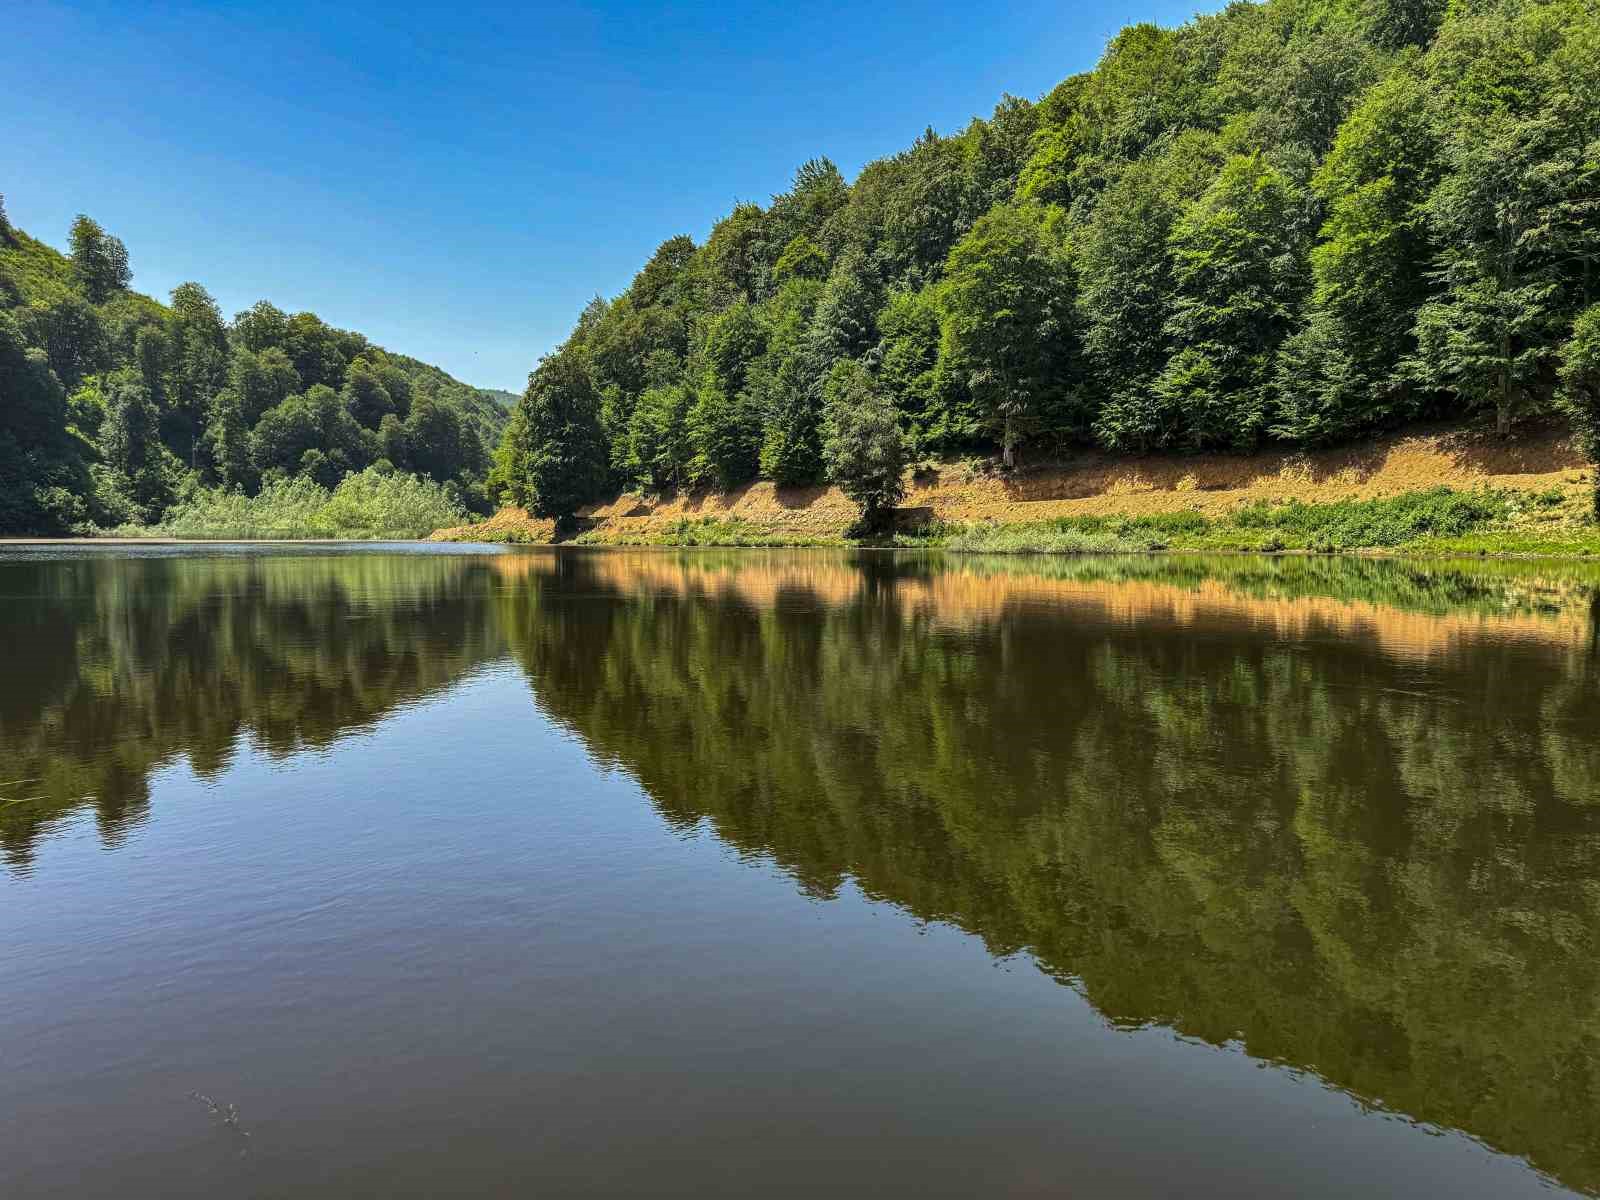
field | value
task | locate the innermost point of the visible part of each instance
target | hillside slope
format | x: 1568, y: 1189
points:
x: 116, y: 409
x: 1294, y: 223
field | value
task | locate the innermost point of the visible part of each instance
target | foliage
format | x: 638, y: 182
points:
x: 1006, y: 313
x: 1297, y: 220
x: 165, y: 399
x: 862, y: 444
x: 1580, y: 387
x: 99, y: 261
x: 371, y: 504
x: 659, y: 451
x: 565, y: 464
x: 43, y: 481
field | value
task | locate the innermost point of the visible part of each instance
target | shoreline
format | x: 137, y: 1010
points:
x: 1421, y: 552
x: 91, y: 540
x: 1530, y: 496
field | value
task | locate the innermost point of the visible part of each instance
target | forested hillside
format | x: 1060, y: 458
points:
x: 114, y: 407
x: 1295, y: 221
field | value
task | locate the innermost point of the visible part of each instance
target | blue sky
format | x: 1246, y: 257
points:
x: 457, y: 181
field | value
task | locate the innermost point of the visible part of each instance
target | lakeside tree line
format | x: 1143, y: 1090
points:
x: 114, y: 407
x: 1295, y: 221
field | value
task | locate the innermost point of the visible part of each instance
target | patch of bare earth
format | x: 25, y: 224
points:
x: 1098, y: 484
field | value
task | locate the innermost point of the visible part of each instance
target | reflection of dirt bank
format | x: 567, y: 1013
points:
x: 964, y: 593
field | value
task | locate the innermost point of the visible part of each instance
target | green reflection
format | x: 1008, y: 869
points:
x: 115, y: 666
x: 1360, y: 839
x: 1346, y: 813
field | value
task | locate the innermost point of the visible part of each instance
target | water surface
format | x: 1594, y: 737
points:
x: 789, y: 873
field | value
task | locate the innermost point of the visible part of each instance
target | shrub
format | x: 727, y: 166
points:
x: 371, y: 504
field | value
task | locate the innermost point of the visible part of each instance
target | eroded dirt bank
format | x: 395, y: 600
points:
x: 1095, y: 484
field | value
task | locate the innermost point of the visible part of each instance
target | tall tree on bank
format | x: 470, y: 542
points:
x: 564, y: 458
x: 1239, y: 273
x: 1006, y: 310
x: 862, y: 444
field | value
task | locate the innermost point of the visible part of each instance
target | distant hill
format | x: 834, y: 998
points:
x: 117, y: 403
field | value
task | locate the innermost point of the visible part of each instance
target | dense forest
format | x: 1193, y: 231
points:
x: 115, y: 408
x: 1299, y: 220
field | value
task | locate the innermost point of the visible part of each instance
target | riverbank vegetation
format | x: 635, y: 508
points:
x: 1407, y: 520
x: 374, y: 504
x: 1294, y: 222
x: 1433, y: 521
x: 118, y: 410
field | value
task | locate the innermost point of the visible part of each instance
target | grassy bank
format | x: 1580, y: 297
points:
x: 1434, y: 521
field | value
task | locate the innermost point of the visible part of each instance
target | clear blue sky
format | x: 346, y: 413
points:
x: 456, y: 181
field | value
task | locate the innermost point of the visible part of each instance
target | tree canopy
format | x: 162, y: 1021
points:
x: 113, y: 406
x: 1297, y: 221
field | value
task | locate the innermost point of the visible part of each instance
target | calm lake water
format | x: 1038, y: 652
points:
x: 450, y: 872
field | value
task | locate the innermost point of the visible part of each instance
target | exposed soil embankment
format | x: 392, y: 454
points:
x: 1096, y: 484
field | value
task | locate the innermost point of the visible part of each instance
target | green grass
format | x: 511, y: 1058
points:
x: 703, y: 531
x: 1436, y: 521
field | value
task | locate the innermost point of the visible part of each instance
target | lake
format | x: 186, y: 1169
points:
x: 414, y: 871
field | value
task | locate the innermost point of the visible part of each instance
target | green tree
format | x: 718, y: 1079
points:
x: 565, y: 463
x: 862, y: 444
x: 1006, y: 307
x: 1393, y: 24
x: 1128, y: 291
x: 42, y: 476
x: 787, y: 395
x: 130, y: 443
x: 99, y: 261
x: 936, y: 414
x: 228, y: 436
x: 800, y: 215
x: 261, y: 326
x: 365, y: 395
x: 1343, y: 371
x: 726, y: 434
x: 261, y: 380
x: 1240, y: 276
x: 438, y: 442
x: 1517, y: 99
x: 1580, y: 388
x: 1491, y: 336
x: 314, y: 423
x: 72, y: 336
x: 659, y: 449
x: 197, y: 367
x: 801, y: 259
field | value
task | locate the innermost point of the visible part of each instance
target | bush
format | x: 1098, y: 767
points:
x: 1351, y: 524
x: 371, y: 504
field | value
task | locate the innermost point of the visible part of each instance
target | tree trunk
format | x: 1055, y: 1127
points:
x: 1502, y: 411
x: 1007, y: 443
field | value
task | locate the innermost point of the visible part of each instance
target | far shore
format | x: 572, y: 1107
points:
x: 177, y: 541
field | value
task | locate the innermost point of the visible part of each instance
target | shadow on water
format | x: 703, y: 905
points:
x: 1343, y: 813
